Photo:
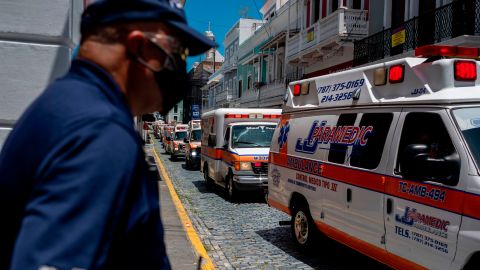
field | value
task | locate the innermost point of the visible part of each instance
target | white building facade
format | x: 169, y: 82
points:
x: 300, y: 38
x: 36, y: 43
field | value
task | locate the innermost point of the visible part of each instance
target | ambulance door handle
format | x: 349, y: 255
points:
x: 389, y: 206
x: 349, y: 195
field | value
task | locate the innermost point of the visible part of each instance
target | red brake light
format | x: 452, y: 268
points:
x: 396, y: 74
x: 257, y: 164
x: 297, y: 89
x: 465, y: 70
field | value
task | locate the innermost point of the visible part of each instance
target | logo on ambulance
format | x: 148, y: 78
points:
x: 283, y: 137
x: 321, y: 133
x: 276, y: 177
x: 424, y: 222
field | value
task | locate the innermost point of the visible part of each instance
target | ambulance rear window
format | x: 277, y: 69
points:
x: 369, y: 154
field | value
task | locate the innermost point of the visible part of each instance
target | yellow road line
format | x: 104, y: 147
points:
x: 187, y: 224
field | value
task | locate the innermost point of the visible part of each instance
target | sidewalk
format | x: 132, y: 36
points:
x: 179, y: 249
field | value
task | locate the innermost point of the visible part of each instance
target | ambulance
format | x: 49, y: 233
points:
x: 385, y: 159
x: 193, y: 145
x: 235, y: 145
x: 176, y: 143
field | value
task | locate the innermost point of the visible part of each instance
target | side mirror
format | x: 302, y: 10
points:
x: 185, y: 140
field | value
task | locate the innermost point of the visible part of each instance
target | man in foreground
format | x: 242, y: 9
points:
x: 75, y: 191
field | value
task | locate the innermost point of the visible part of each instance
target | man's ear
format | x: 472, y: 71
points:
x: 134, y: 44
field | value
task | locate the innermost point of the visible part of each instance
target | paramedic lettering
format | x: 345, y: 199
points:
x: 321, y: 133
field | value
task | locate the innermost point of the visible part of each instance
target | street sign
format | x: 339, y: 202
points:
x: 195, y: 112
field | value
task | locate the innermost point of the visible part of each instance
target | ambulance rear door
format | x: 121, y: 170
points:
x: 424, y: 194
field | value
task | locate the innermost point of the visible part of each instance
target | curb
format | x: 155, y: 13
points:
x: 186, y: 222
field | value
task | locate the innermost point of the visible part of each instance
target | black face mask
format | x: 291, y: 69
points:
x: 172, y: 81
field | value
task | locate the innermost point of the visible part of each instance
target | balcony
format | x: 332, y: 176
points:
x: 342, y: 25
x: 272, y: 93
x: 221, y: 96
x: 249, y: 99
x: 458, y: 18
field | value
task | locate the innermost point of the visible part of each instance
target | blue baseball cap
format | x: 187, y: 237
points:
x: 170, y: 12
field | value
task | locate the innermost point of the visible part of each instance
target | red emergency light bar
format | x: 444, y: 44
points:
x: 253, y: 115
x: 236, y: 115
x: 449, y: 51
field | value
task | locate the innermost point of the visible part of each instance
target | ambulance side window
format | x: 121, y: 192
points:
x: 367, y: 151
x: 212, y: 139
x: 226, y: 139
x: 426, y: 151
x: 338, y: 152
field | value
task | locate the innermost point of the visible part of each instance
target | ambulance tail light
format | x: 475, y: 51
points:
x: 447, y: 51
x: 297, y: 89
x: 465, y: 70
x: 396, y: 74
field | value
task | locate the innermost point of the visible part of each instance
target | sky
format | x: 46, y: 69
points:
x: 221, y: 14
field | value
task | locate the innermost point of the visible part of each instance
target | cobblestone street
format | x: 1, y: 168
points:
x: 246, y: 234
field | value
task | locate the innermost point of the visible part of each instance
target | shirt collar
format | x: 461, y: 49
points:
x: 94, y: 74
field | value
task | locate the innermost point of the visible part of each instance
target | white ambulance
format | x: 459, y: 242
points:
x: 177, y: 144
x: 193, y: 145
x: 386, y: 159
x: 235, y: 146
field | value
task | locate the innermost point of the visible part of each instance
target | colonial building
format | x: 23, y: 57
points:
x: 231, y: 92
x: 300, y: 38
x: 198, y: 76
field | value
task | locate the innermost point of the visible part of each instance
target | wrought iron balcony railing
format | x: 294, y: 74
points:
x: 461, y: 17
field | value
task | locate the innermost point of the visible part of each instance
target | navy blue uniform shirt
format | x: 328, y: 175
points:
x: 75, y: 190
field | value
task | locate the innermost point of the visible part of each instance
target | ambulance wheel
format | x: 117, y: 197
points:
x: 230, y: 188
x: 208, y: 181
x: 302, y: 227
x: 172, y: 157
x: 473, y: 263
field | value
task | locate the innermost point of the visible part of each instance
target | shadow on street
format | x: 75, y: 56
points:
x: 327, y: 254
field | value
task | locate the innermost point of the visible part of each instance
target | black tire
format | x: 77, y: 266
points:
x: 172, y: 157
x: 302, y: 227
x: 473, y: 263
x: 208, y: 181
x: 230, y: 189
